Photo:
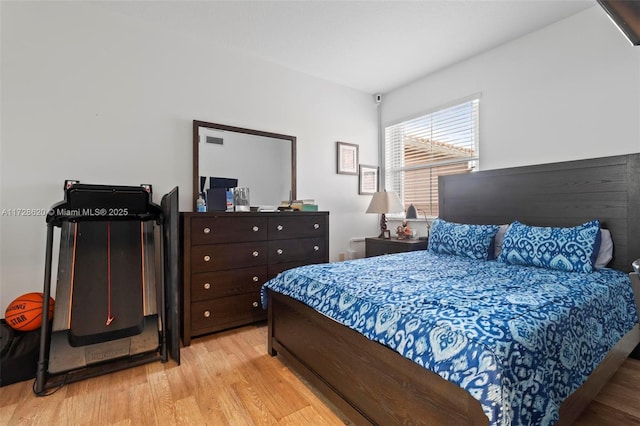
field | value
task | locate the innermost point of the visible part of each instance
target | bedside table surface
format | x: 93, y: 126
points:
x: 395, y: 240
x: 375, y: 246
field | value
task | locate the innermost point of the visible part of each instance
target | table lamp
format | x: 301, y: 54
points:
x: 412, y: 213
x: 382, y: 203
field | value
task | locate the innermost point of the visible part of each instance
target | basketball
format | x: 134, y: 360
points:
x: 25, y: 312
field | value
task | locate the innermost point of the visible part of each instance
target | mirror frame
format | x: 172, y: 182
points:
x: 196, y: 158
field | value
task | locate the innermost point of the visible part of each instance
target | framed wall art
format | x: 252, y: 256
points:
x: 347, y: 158
x: 367, y: 179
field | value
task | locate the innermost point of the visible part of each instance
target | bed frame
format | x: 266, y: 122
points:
x: 372, y: 384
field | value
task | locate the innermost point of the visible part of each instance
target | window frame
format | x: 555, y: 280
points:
x: 387, y: 170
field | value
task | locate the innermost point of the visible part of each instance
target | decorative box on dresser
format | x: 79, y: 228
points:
x: 228, y: 256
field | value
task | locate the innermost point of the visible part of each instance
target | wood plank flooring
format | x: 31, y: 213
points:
x: 228, y: 379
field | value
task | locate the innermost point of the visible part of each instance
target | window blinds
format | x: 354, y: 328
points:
x: 419, y: 150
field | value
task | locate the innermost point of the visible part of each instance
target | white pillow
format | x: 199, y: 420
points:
x: 605, y: 254
x: 499, y: 238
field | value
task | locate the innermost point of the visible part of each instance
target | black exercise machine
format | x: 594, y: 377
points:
x: 117, y: 301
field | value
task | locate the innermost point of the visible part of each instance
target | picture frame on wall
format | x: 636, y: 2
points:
x: 367, y: 179
x: 347, y: 158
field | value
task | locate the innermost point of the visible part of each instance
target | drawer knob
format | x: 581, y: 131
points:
x: 255, y: 254
x: 206, y: 230
x: 206, y: 286
x: 255, y: 279
x: 279, y: 227
x: 207, y: 314
x: 316, y: 248
x: 255, y: 304
x: 316, y: 226
x: 207, y: 258
x: 279, y: 251
x: 256, y: 229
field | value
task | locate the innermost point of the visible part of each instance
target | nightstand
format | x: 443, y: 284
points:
x: 380, y: 246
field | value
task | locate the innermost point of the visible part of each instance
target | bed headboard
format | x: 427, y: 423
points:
x: 555, y: 194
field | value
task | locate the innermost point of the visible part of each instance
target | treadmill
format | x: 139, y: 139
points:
x: 117, y: 302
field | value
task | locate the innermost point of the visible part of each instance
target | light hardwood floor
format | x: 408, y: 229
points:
x: 228, y: 379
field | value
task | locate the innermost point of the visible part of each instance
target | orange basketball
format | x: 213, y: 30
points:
x: 25, y: 313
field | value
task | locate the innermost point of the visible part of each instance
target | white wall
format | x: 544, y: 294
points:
x: 107, y: 99
x: 569, y: 91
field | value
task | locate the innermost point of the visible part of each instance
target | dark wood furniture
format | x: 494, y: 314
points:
x: 228, y: 256
x: 557, y: 194
x: 379, y: 246
x: 372, y: 384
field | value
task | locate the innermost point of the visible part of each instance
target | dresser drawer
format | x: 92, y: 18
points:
x: 207, y: 285
x: 209, y: 230
x: 303, y: 226
x: 282, y: 251
x: 224, y: 251
x: 219, y: 257
x: 216, y: 313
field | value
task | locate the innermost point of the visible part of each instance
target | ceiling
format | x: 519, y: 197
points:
x: 370, y: 46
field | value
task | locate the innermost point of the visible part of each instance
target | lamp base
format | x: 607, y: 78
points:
x: 383, y: 225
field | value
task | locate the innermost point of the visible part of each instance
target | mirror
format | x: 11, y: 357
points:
x: 264, y: 162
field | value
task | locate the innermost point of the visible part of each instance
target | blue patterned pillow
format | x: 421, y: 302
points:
x: 565, y: 249
x: 474, y: 241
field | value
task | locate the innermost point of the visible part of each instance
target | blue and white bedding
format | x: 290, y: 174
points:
x: 519, y: 339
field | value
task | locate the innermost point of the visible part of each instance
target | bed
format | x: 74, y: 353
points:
x: 376, y: 377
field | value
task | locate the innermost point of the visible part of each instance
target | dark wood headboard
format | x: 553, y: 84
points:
x: 555, y: 194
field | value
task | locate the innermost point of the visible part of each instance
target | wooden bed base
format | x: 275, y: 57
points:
x: 372, y: 384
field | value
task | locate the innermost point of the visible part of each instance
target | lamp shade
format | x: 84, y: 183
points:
x: 412, y: 213
x: 385, y: 202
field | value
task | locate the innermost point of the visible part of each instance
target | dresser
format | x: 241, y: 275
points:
x: 228, y: 256
x: 380, y: 246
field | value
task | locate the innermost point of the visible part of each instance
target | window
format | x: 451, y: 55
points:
x: 417, y: 151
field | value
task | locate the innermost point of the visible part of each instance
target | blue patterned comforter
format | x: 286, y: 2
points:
x: 518, y: 339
